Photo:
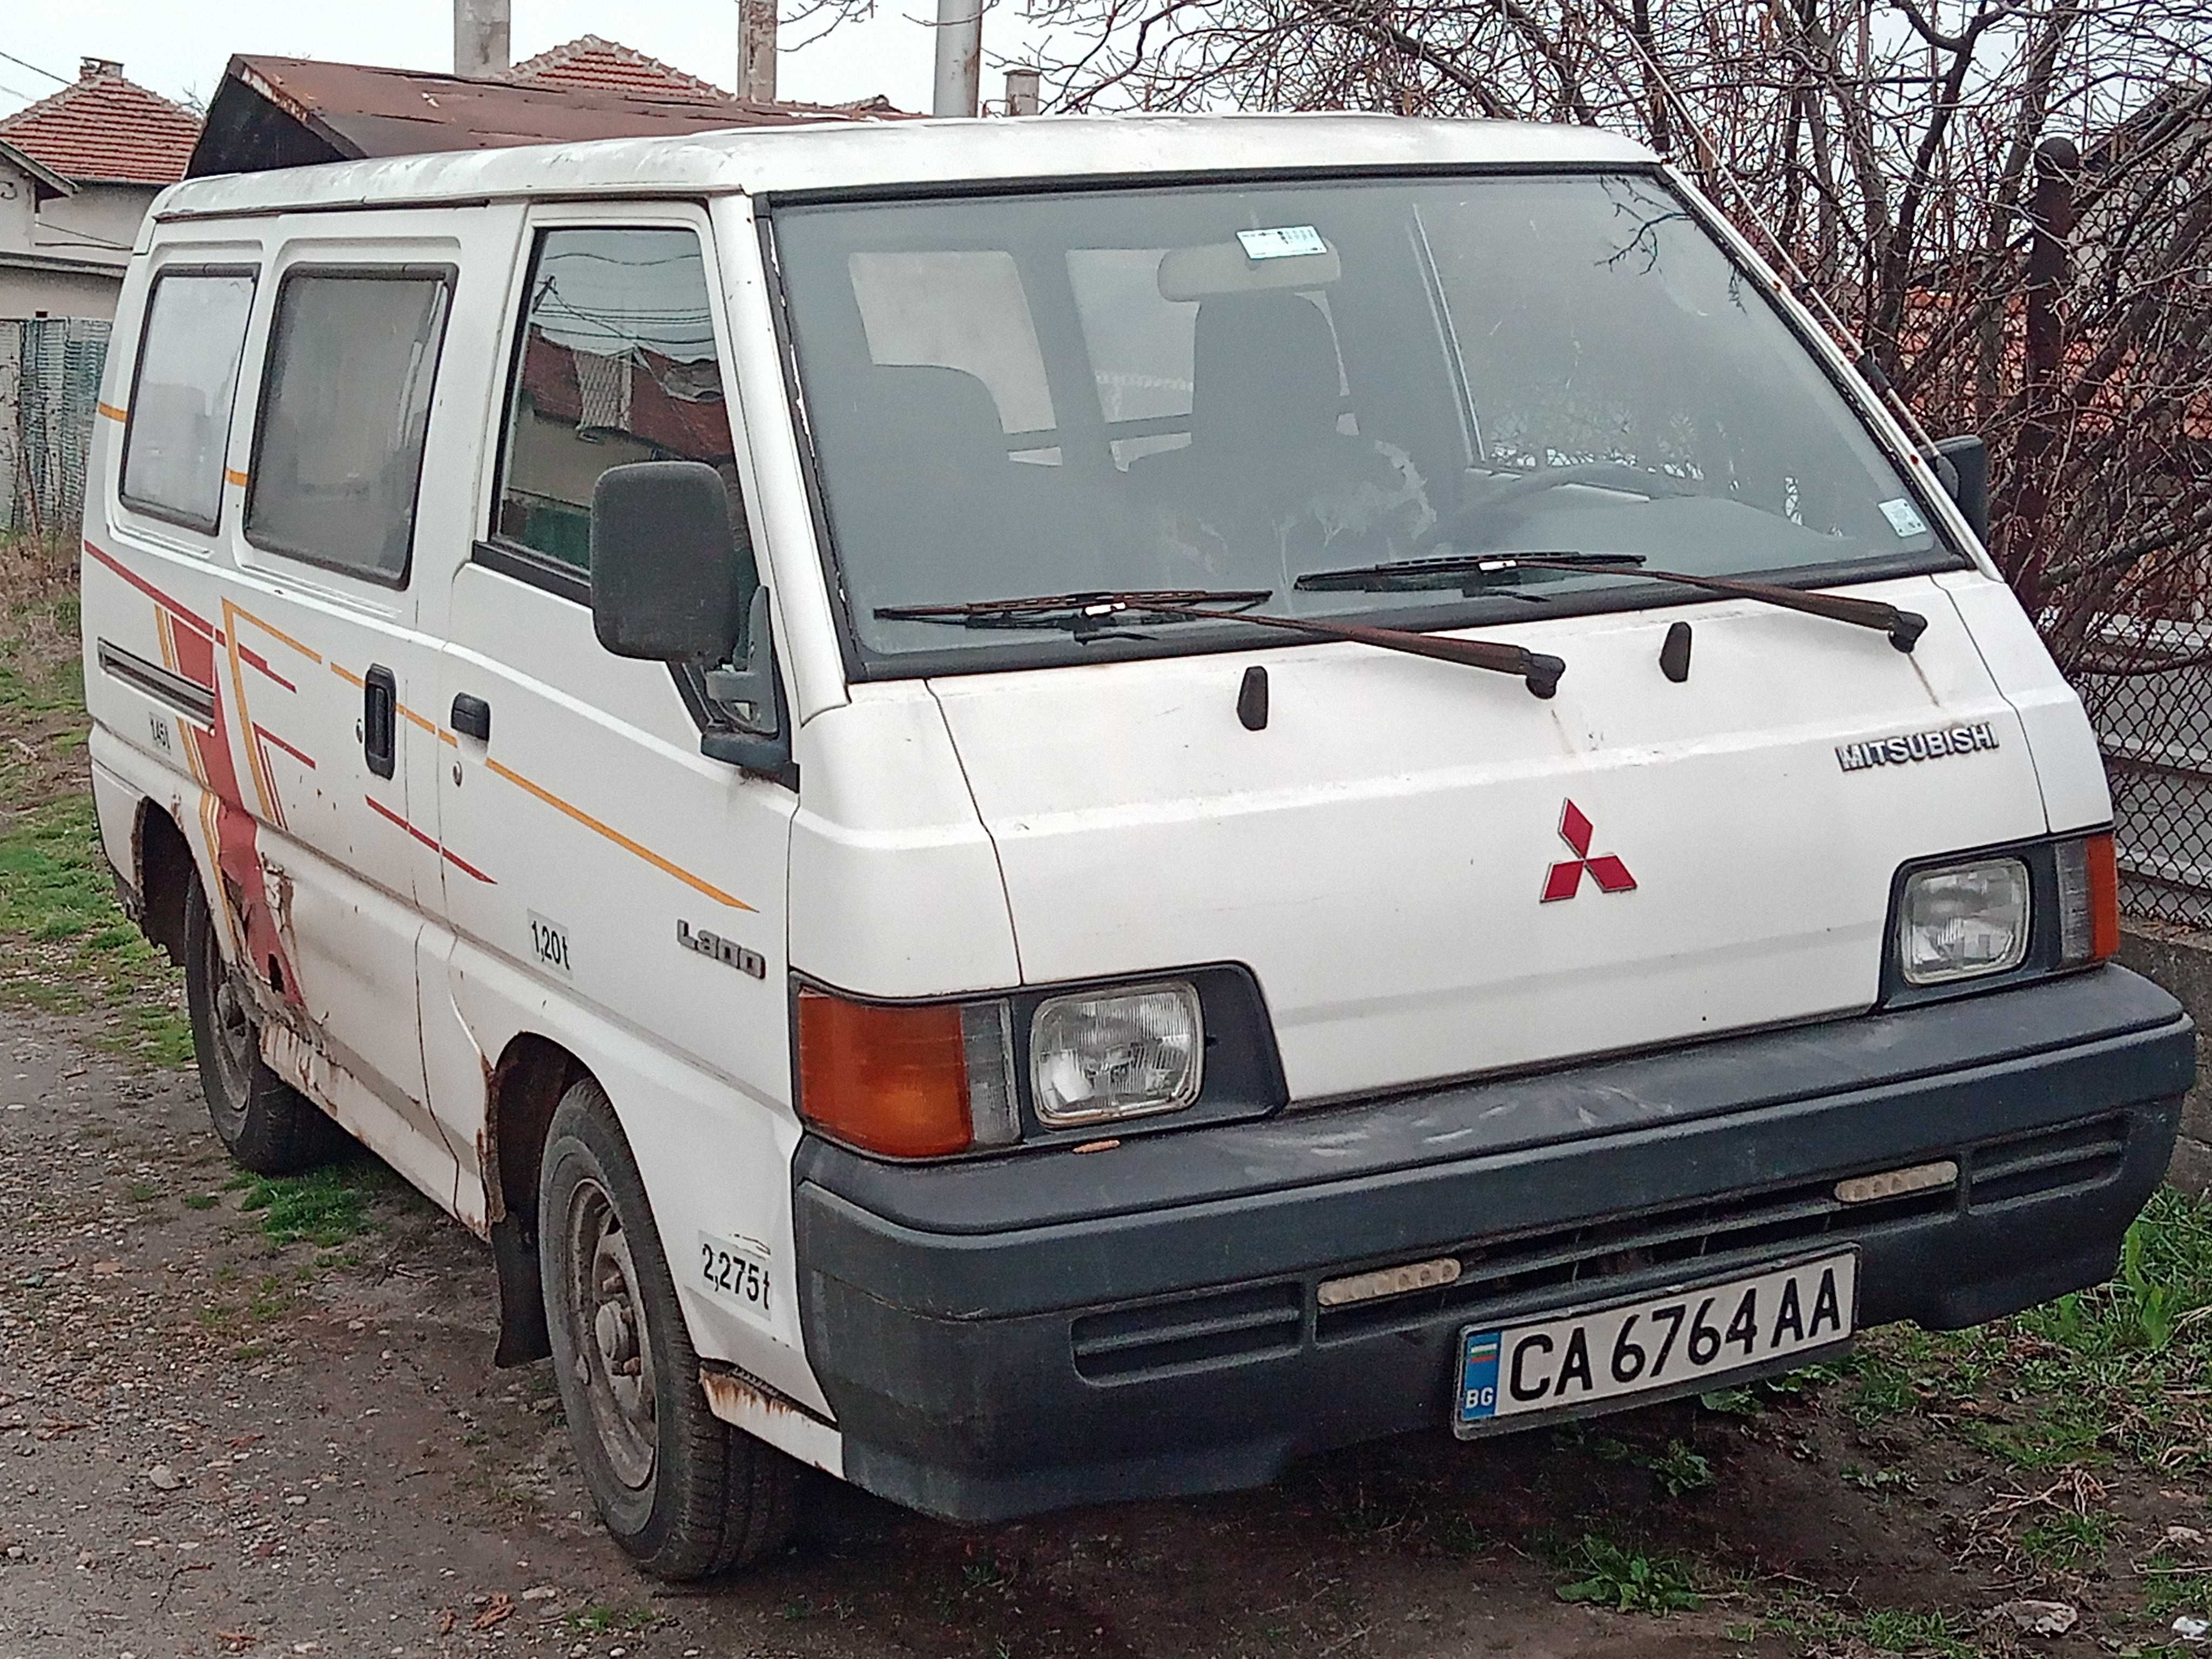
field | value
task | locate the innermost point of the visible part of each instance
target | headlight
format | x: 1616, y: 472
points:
x: 1964, y: 922
x: 1107, y: 1054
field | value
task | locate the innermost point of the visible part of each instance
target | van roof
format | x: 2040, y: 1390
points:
x: 868, y: 153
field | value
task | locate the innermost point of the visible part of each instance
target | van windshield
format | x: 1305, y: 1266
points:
x: 1233, y: 386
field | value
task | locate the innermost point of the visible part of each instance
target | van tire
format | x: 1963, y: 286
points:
x: 687, y: 1495
x: 265, y: 1123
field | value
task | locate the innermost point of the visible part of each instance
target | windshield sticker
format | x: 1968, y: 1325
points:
x: 1904, y: 517
x: 1282, y: 242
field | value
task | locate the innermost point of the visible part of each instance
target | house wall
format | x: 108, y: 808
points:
x: 99, y: 222
x: 56, y: 293
x: 18, y: 208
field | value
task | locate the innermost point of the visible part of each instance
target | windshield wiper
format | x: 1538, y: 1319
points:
x: 1085, y: 613
x: 1470, y: 571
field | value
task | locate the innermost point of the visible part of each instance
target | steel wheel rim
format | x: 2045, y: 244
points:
x: 232, y: 1039
x: 613, y: 1357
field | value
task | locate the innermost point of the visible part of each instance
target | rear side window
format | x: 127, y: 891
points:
x: 345, y: 401
x: 616, y: 364
x: 188, y: 358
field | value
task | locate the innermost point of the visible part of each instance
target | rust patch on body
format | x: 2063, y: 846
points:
x: 488, y: 1176
x: 730, y: 1392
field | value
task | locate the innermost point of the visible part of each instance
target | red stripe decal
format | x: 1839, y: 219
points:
x: 465, y: 867
x: 252, y: 660
x: 457, y: 862
x: 384, y: 811
x: 180, y: 613
x: 267, y: 736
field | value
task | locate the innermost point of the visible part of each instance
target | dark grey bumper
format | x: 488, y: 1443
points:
x: 1002, y: 1337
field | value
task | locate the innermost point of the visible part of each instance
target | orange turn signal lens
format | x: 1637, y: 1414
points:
x: 903, y: 1080
x: 2104, y: 898
x: 2088, y: 899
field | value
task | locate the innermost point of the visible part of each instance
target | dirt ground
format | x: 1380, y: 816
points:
x: 249, y: 1417
x: 212, y: 1442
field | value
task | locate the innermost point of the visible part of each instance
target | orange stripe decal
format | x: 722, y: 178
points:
x: 232, y: 474
x: 347, y: 675
x: 264, y: 790
x: 416, y: 720
x: 617, y: 837
x: 111, y: 411
x: 278, y: 633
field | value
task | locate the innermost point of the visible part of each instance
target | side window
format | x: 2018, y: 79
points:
x: 345, y: 401
x: 617, y: 364
x: 188, y: 356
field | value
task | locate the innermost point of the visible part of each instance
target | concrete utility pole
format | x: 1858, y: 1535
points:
x: 756, y: 50
x: 959, y: 57
x: 1024, y: 91
x: 481, y: 46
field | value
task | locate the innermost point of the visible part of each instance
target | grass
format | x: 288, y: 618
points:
x: 1888, y: 1630
x: 1676, y: 1469
x: 64, y: 945
x: 2169, y: 1588
x: 326, y: 1207
x: 2112, y: 1371
x: 2068, y: 1542
x: 1628, y: 1581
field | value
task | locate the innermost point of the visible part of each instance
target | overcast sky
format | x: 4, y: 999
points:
x: 181, y: 48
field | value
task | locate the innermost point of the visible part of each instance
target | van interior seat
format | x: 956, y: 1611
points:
x: 931, y: 439
x: 1265, y: 402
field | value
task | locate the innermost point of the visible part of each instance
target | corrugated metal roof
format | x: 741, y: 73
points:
x: 103, y: 129
x: 272, y: 113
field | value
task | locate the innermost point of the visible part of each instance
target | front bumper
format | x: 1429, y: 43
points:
x: 1001, y: 1337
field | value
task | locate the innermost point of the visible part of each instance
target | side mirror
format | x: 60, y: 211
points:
x: 667, y: 584
x: 1963, y: 465
x: 664, y: 567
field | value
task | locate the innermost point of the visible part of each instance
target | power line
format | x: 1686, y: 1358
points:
x: 35, y: 70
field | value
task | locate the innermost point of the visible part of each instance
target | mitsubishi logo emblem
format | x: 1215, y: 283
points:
x: 1565, y: 878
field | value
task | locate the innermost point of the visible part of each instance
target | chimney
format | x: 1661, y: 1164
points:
x: 98, y: 69
x: 1024, y: 95
x: 756, y: 50
x: 480, y: 37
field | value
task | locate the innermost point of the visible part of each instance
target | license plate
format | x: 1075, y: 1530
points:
x: 1685, y: 1338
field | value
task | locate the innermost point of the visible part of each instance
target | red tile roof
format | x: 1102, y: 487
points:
x: 610, y: 66
x: 590, y: 63
x: 105, y: 129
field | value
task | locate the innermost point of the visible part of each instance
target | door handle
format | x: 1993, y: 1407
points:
x: 379, y: 720
x: 472, y: 717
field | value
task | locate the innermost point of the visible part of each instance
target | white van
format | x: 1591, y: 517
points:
x: 1057, y: 810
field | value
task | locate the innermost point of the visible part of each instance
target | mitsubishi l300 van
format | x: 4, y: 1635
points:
x: 1056, y: 810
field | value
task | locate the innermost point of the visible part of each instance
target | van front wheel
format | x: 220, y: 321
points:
x: 682, y: 1491
x: 264, y: 1122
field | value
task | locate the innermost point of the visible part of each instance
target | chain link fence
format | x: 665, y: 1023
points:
x: 2154, y: 723
x: 50, y: 370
